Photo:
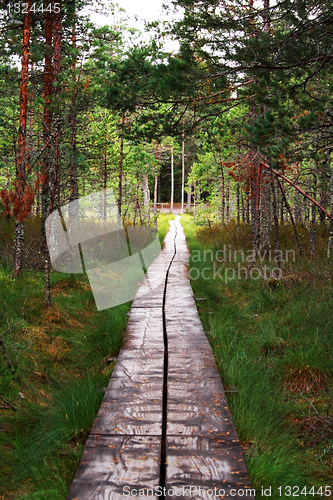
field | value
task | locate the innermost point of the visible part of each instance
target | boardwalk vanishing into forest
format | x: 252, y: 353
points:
x: 164, y: 421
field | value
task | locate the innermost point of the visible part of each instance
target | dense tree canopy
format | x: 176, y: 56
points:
x: 248, y: 93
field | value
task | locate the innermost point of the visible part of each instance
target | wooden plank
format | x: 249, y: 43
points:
x: 206, y: 463
x: 111, y: 463
x: 147, y: 301
x: 144, y: 329
x: 134, y: 362
x: 199, y: 366
x: 137, y: 390
x: 188, y: 419
x: 200, y: 391
x: 178, y: 340
x: 202, y: 447
x: 131, y: 419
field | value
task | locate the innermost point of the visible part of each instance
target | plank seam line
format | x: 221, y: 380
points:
x: 165, y: 377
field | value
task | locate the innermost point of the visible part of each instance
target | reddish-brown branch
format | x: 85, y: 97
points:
x: 297, y: 188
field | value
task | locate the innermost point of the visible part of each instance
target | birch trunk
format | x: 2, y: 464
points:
x: 189, y: 188
x: 155, y: 187
x: 146, y: 195
x: 120, y: 177
x: 183, y: 169
x: 172, y: 182
x: 194, y: 201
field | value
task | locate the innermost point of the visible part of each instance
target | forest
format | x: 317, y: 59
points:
x: 233, y: 130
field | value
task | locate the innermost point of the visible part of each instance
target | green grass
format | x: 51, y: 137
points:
x: 53, y: 372
x: 53, y: 389
x: 273, y: 344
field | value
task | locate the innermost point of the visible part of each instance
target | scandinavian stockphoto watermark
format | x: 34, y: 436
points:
x: 87, y: 234
x: 188, y: 491
x: 229, y: 492
x: 227, y: 264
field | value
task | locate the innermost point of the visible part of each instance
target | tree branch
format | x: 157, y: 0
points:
x: 298, y: 189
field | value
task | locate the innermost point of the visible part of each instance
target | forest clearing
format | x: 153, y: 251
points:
x: 220, y: 113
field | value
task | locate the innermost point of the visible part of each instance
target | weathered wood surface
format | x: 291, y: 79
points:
x: 123, y: 451
x: 110, y: 463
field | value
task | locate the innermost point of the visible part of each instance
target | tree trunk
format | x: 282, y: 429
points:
x: 243, y: 206
x: 323, y: 203
x: 222, y: 206
x: 297, y: 209
x: 172, y: 182
x: 330, y: 238
x: 247, y: 205
x: 136, y: 197
x: 155, y: 187
x: 285, y: 201
x: 146, y: 194
x: 254, y: 170
x: 31, y: 121
x: 265, y: 211
x: 105, y: 180
x: 238, y: 204
x: 298, y: 189
x: 183, y: 169
x: 313, y: 233
x: 194, y: 200
x: 228, y: 214
x: 256, y: 211
x: 324, y: 191
x: 265, y: 192
x: 120, y: 176
x: 74, y: 181
x: 22, y: 154
x: 47, y: 118
x: 189, y: 190
x: 276, y: 222
x: 57, y: 49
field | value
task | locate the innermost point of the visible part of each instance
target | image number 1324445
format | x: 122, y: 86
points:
x: 23, y: 8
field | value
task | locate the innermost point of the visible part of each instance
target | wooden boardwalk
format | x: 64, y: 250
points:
x: 164, y: 420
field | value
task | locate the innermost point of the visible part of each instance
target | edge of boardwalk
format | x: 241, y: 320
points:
x: 179, y: 414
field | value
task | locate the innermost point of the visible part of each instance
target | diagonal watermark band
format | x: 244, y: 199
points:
x: 113, y: 257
